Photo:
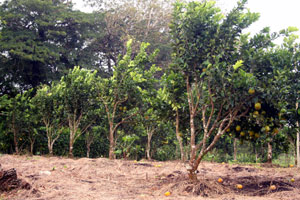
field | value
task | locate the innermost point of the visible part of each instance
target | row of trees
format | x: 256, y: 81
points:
x: 208, y: 82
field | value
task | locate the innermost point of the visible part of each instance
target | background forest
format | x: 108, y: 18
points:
x: 146, y: 79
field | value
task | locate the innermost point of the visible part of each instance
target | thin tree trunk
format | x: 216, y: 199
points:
x: 72, y: 135
x: 111, y: 141
x: 298, y: 146
x: 16, y: 142
x: 31, y: 146
x: 88, y: 149
x: 234, y: 148
x: 256, y: 155
x: 15, y: 135
x: 148, y: 147
x: 50, y: 148
x: 269, y: 153
x: 89, y: 141
x: 179, y: 137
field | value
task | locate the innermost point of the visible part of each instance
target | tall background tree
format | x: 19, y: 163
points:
x: 41, y: 40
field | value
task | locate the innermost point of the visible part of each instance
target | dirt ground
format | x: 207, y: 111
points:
x: 88, y: 179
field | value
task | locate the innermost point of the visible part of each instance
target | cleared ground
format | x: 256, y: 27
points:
x: 89, y: 179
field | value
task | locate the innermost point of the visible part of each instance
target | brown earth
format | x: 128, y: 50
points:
x: 59, y: 178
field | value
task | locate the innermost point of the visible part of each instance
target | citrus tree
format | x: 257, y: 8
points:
x: 205, y: 48
x: 77, y: 91
x: 18, y: 115
x: 50, y: 112
x: 121, y: 93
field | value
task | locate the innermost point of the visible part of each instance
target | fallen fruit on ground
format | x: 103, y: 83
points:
x: 292, y: 180
x: 220, y: 180
x: 291, y: 165
x: 239, y: 186
x: 167, y: 194
x: 272, y: 187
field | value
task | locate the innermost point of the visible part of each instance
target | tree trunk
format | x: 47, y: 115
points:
x: 71, y: 143
x: 148, y: 147
x: 235, y: 148
x: 50, y: 147
x: 298, y: 146
x: 269, y: 153
x: 31, y: 146
x: 179, y: 137
x: 15, y: 135
x: 111, y: 142
x: 16, y: 142
x: 88, y: 149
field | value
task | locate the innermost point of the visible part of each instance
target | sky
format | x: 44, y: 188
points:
x: 277, y: 14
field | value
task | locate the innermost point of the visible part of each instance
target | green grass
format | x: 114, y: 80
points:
x: 284, y: 160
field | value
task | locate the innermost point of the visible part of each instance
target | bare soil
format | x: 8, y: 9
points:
x: 60, y: 178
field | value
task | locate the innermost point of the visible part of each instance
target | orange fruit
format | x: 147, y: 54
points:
x: 267, y: 129
x: 167, y: 194
x: 275, y: 130
x: 292, y: 180
x: 238, y: 128
x: 257, y: 106
x: 220, y: 180
x: 272, y: 187
x: 256, y: 113
x: 242, y: 133
x: 256, y: 135
x: 251, y: 133
x: 291, y: 165
x: 227, y: 130
x: 251, y: 91
x: 239, y: 186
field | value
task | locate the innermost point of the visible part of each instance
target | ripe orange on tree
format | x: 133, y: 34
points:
x: 267, y: 129
x: 238, y: 128
x: 257, y: 106
x: 251, y: 133
x: 275, y: 130
x: 251, y: 91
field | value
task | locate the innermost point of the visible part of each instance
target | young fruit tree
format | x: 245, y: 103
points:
x: 77, y: 91
x: 50, y: 112
x: 206, y: 50
x: 122, y: 92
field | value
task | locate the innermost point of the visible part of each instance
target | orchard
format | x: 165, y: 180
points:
x: 186, y: 84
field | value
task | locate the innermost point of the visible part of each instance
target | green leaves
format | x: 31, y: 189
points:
x: 238, y: 64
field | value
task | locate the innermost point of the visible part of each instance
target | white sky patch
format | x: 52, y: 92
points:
x: 277, y: 14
